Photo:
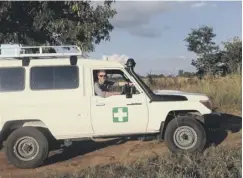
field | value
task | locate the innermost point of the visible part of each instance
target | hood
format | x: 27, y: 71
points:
x: 190, y: 96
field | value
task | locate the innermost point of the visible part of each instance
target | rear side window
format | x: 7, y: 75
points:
x: 12, y: 79
x: 54, y: 77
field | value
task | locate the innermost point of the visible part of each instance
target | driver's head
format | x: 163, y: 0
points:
x: 101, y: 76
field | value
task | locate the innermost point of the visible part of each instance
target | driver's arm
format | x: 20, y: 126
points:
x: 98, y: 91
x: 103, y: 94
x: 124, y: 83
x: 119, y: 84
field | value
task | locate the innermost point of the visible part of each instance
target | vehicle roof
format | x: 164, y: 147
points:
x: 59, y: 61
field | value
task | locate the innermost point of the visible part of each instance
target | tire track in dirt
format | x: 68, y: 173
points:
x: 100, y: 154
x: 121, y: 153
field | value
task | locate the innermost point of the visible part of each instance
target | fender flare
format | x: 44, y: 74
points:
x: 12, y: 125
x: 164, y: 123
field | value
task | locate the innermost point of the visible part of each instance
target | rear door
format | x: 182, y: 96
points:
x: 57, y: 98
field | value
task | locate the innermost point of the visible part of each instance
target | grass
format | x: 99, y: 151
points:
x: 220, y: 162
x: 225, y: 91
x: 216, y: 162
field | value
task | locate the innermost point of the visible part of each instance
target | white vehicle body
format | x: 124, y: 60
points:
x: 75, y: 113
x: 79, y: 114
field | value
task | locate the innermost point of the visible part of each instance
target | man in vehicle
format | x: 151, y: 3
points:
x: 102, y: 86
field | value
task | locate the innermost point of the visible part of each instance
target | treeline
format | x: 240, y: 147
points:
x: 211, y: 59
x: 82, y: 23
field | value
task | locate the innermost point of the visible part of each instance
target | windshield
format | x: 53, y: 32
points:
x: 141, y: 83
x: 144, y: 84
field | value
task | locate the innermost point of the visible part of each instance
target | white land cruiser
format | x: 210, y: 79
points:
x: 52, y: 99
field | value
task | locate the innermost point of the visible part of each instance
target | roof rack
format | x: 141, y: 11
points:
x: 39, y: 51
x: 27, y: 52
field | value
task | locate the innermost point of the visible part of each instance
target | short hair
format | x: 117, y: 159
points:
x: 101, y: 71
x: 95, y: 74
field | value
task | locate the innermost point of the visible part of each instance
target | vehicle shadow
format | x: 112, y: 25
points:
x: 79, y: 148
x: 218, y: 126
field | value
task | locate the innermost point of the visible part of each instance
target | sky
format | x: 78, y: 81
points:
x: 153, y: 32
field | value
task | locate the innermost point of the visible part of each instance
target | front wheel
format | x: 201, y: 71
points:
x: 26, y: 147
x: 185, y: 134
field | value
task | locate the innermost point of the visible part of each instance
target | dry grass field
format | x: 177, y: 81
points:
x: 224, y: 91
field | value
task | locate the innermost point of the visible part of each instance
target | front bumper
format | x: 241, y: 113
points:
x: 213, y: 120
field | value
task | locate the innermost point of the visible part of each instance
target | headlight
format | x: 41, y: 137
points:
x: 207, y: 103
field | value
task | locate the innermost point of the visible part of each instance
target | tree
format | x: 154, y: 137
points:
x: 232, y: 57
x: 200, y: 41
x: 188, y: 74
x: 183, y: 73
x: 211, y: 59
x: 180, y: 72
x: 150, y: 78
x: 52, y: 22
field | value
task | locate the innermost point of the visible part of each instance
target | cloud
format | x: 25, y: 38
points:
x: 132, y: 14
x: 146, y: 32
x: 163, y: 65
x: 182, y: 57
x: 116, y: 57
x: 203, y: 4
x: 198, y: 5
x: 134, y: 17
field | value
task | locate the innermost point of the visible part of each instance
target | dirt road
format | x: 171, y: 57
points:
x: 80, y: 156
x: 85, y: 154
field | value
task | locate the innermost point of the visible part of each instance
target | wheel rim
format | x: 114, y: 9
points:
x: 26, y: 148
x: 185, y: 137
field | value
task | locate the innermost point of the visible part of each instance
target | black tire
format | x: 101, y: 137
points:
x: 39, y: 139
x: 196, y: 129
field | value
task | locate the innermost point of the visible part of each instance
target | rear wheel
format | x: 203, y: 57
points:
x: 184, y: 133
x: 26, y: 147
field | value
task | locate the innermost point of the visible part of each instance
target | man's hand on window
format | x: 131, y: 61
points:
x: 129, y: 84
x: 107, y: 94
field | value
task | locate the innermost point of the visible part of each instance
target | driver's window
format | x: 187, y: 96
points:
x: 113, y: 81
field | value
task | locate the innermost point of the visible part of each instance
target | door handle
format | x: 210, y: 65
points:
x: 134, y: 104
x: 100, y: 104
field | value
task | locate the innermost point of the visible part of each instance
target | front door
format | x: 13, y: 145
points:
x: 117, y: 114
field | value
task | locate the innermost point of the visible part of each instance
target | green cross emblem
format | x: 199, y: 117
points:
x: 120, y: 114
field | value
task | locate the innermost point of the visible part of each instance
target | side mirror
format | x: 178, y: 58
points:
x: 128, y: 91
